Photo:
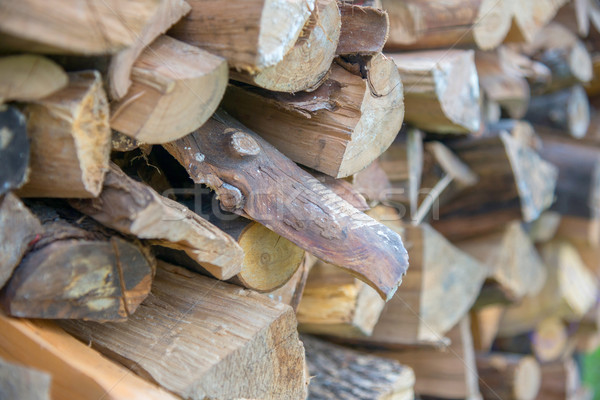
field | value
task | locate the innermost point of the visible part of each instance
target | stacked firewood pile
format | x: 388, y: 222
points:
x: 186, y: 184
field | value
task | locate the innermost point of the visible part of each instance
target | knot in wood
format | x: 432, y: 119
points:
x: 243, y: 144
x: 230, y: 197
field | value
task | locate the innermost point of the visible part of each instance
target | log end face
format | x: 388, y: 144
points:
x: 578, y: 112
x: 492, y: 24
x: 527, y: 379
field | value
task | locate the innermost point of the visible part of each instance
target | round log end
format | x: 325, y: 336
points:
x: 527, y: 379
x: 492, y: 25
x: 549, y: 340
x: 578, y: 112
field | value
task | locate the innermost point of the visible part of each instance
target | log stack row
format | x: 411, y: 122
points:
x: 187, y: 184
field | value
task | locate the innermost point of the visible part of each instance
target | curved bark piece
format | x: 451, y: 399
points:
x: 134, y: 208
x: 252, y: 178
x: 29, y: 77
x: 364, y: 30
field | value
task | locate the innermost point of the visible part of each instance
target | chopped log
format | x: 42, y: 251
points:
x: 253, y: 179
x: 78, y: 372
x: 441, y: 90
x: 224, y: 342
x: 75, y: 269
x: 337, y: 304
x: 338, y: 129
x: 485, y: 323
x: 560, y: 380
x: 14, y: 149
x: 29, y: 77
x: 511, y: 259
x: 176, y: 88
x: 251, y: 36
x: 417, y: 24
x: 167, y: 13
x: 567, y: 111
x: 549, y: 340
x: 291, y: 292
x: 341, y: 373
x: 305, y: 66
x: 20, y: 382
x: 575, y: 16
x: 514, y: 183
x: 70, y: 140
x: 73, y: 27
x: 449, y: 373
x: 569, y: 292
x: 529, y: 17
x: 19, y: 229
x: 372, y: 183
x: 508, y: 376
x: 134, y: 208
x: 364, y: 30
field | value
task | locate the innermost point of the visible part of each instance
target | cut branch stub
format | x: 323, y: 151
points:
x: 272, y: 190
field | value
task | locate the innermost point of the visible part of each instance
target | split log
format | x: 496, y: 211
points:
x: 251, y: 36
x: 514, y: 183
x: 78, y: 372
x: 418, y: 24
x: 560, y: 380
x: 75, y: 269
x: 29, y: 78
x: 364, y: 30
x: 338, y: 129
x: 441, y: 90
x: 73, y: 27
x: 291, y: 292
x: 448, y: 373
x: 340, y: 373
x: 134, y: 208
x: 337, y: 304
x: 253, y: 179
x: 176, y: 88
x: 372, y: 183
x: 508, y: 376
x: 305, y: 66
x: 19, y: 229
x: 20, y: 382
x: 167, y: 13
x: 569, y: 293
x: 224, y: 342
x: 511, y: 259
x: 575, y: 16
x: 567, y: 111
x: 529, y: 17
x: 485, y: 323
x: 14, y: 149
x: 70, y: 140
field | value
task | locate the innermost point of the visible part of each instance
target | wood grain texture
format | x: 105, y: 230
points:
x: 364, y: 29
x: 201, y: 338
x: 14, y: 149
x: 29, y: 77
x: 253, y: 179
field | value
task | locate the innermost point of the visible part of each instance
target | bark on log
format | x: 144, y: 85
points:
x: 29, y: 78
x: 223, y: 342
x: 14, y: 149
x: 73, y: 27
x: 560, y: 380
x: 434, y: 24
x: 338, y: 129
x: 78, y: 372
x: 24, y: 383
x: 176, y: 88
x: 508, y: 376
x: 70, y: 140
x: 441, y: 90
x: 364, y: 30
x: 75, y: 269
x: 253, y: 179
x: 134, y: 208
x: 340, y: 373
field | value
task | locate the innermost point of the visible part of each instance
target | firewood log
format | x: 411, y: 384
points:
x: 550, y: 340
x: 306, y: 64
x: 21, y: 382
x: 508, y: 376
x: 575, y: 15
x: 176, y: 88
x: 29, y: 77
x: 119, y: 70
x: 511, y: 259
x: 372, y: 183
x: 364, y: 30
x: 73, y: 27
x: 567, y: 111
x: 14, y: 149
x: 560, y: 380
x: 344, y: 189
x: 78, y: 372
x: 448, y: 373
x: 19, y: 229
x: 337, y: 304
x: 134, y: 208
x: 514, y: 183
x: 291, y: 292
x: 418, y: 24
x: 253, y: 179
x: 441, y: 90
x: 70, y: 140
x: 338, y: 129
x: 485, y: 323
x: 224, y: 342
x: 529, y: 17
x: 76, y: 269
x: 341, y: 373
